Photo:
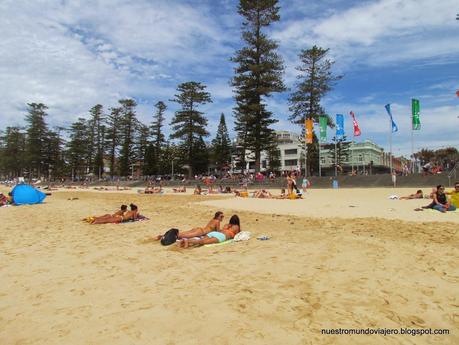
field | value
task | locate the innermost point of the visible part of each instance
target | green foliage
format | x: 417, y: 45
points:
x: 12, y: 152
x: 189, y: 124
x: 258, y: 74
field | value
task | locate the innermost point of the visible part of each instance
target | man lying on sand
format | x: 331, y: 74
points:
x: 179, y: 190
x: 213, y: 225
x: 417, y: 195
x: 228, y: 232
x: 118, y: 217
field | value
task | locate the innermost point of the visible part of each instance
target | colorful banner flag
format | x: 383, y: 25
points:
x: 323, y: 122
x: 415, y: 108
x: 394, y: 126
x: 339, y: 126
x: 357, y: 131
x: 308, y: 125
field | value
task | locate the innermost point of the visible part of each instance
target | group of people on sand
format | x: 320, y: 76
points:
x: 210, y: 190
x: 6, y: 199
x: 442, y: 200
x: 119, y: 216
x: 213, y: 232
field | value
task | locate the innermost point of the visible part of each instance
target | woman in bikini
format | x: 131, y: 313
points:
x: 118, y: 217
x: 228, y: 232
x: 213, y: 225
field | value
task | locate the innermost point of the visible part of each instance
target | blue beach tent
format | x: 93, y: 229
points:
x: 24, y: 194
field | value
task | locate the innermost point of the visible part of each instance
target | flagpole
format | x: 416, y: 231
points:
x: 390, y: 147
x: 320, y: 162
x: 336, y: 159
x: 352, y: 153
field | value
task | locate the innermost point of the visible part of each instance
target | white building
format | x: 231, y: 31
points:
x: 361, y: 154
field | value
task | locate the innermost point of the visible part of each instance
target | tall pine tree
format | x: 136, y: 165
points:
x: 189, y: 124
x: 77, y: 149
x: 128, y: 132
x: 258, y: 74
x: 154, y: 154
x: 313, y: 83
x: 37, y: 131
x: 113, y: 137
x: 221, y: 145
x: 96, y: 140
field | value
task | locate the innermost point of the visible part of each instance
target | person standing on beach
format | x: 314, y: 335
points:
x: 305, y: 184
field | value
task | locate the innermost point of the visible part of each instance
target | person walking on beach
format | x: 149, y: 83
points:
x: 305, y: 184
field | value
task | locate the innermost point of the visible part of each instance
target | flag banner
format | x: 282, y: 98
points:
x: 394, y: 126
x: 308, y: 125
x: 357, y: 131
x: 323, y: 122
x: 339, y: 126
x: 415, y: 108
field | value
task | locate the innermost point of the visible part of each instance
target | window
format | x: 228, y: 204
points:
x: 291, y: 162
x: 322, y: 160
x: 263, y: 164
x: 291, y: 152
x: 360, y: 158
x: 286, y: 136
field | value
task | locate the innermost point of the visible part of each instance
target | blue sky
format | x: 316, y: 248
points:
x: 72, y: 55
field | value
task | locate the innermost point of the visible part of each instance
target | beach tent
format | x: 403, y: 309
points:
x: 24, y: 194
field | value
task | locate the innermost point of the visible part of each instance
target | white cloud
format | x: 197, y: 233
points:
x: 379, y: 32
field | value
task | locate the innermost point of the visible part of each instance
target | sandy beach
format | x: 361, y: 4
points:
x: 345, y: 258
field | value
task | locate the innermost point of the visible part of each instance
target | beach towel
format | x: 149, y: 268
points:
x: 219, y: 243
x: 139, y: 218
x: 242, y: 236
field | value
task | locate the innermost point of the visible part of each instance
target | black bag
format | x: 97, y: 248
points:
x: 170, y: 237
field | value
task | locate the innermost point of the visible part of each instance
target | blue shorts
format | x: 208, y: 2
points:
x: 218, y: 235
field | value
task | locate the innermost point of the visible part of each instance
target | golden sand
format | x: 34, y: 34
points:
x: 63, y: 281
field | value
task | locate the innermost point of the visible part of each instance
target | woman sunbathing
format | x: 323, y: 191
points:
x: 228, y: 232
x: 179, y: 190
x: 153, y: 190
x: 213, y: 225
x: 262, y: 194
x: 117, y: 217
